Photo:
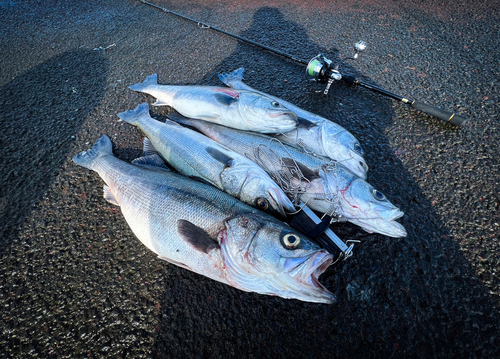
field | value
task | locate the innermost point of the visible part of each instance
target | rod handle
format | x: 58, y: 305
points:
x: 444, y: 115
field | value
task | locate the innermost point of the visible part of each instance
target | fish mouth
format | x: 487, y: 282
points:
x: 389, y: 228
x: 306, y: 271
x: 364, y: 165
x: 359, y: 169
x: 356, y: 164
x: 287, y: 120
x: 395, y: 215
x: 292, y: 115
x: 282, y: 203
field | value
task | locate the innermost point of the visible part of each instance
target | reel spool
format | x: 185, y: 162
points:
x: 320, y: 68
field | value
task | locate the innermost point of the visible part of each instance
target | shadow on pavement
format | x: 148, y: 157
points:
x: 40, y: 112
x: 415, y: 296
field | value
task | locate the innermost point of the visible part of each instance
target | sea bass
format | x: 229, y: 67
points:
x: 315, y: 134
x: 324, y: 185
x: 195, y: 155
x: 241, y: 109
x: 200, y: 228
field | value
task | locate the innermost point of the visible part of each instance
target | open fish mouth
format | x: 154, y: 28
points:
x: 283, y: 203
x: 306, y: 271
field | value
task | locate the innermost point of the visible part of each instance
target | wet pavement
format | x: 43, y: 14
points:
x: 74, y: 280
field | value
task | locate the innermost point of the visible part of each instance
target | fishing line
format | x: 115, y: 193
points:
x: 323, y: 70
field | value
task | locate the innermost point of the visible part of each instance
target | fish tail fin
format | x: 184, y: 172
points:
x: 226, y: 78
x: 133, y: 116
x: 150, y: 80
x: 87, y: 159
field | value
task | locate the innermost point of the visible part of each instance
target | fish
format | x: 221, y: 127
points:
x: 244, y: 110
x: 315, y: 134
x: 197, y: 227
x: 324, y: 185
x: 195, y: 155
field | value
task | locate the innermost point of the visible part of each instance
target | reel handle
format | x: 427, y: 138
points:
x: 446, y: 116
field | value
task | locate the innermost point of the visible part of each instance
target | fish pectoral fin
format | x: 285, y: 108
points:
x: 182, y: 265
x: 214, y: 117
x: 196, y: 236
x: 151, y: 161
x: 304, y: 123
x: 225, y: 98
x: 108, y: 196
x: 220, y: 156
x: 306, y: 171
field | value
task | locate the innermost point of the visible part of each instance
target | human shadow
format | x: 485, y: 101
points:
x: 409, y: 297
x: 41, y: 112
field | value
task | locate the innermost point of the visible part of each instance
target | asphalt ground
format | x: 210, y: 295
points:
x: 74, y: 280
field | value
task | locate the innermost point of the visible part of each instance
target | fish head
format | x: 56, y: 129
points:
x: 254, y: 187
x: 370, y: 209
x: 266, y: 256
x: 266, y: 115
x: 340, y: 145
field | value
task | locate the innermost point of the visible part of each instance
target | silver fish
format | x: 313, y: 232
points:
x: 195, y: 155
x: 315, y: 134
x: 200, y: 228
x: 324, y: 185
x: 244, y: 110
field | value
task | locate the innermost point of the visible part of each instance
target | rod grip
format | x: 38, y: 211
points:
x: 444, y: 115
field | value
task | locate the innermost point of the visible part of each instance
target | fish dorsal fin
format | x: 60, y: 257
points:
x: 227, y: 97
x: 151, y: 161
x: 147, y: 147
x: 108, y: 196
x: 195, y: 236
x: 220, y: 156
x: 306, y: 171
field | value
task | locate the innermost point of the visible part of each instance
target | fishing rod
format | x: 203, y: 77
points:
x: 323, y: 70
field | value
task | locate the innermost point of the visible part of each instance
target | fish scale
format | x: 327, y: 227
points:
x: 165, y: 139
x: 245, y: 110
x: 200, y: 228
x: 151, y: 206
x: 315, y: 134
x: 195, y: 155
x: 329, y: 187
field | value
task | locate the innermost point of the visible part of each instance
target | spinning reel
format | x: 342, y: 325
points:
x: 321, y: 69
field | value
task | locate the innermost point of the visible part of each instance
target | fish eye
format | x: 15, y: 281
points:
x: 291, y: 240
x: 358, y: 149
x: 378, y: 195
x: 262, y: 203
x: 275, y: 104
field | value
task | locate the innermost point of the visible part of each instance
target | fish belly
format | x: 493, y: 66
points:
x: 153, y: 203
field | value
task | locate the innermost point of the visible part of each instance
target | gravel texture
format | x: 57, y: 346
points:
x: 75, y: 282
